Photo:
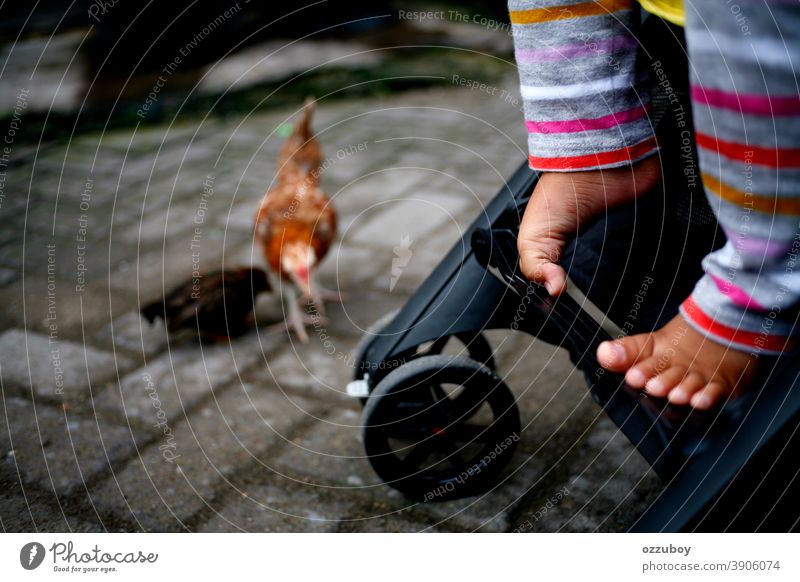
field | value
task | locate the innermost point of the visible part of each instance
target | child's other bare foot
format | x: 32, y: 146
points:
x: 565, y: 202
x: 678, y: 363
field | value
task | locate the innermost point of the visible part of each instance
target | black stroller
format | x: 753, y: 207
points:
x: 442, y: 427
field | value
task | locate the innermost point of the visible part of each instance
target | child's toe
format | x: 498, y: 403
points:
x: 708, y: 396
x: 612, y: 356
x: 682, y: 393
x: 661, y: 384
x: 619, y: 355
x: 638, y: 374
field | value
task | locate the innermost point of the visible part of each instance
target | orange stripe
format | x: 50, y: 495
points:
x: 770, y: 205
x: 627, y: 154
x: 773, y: 343
x: 771, y: 157
x: 551, y: 13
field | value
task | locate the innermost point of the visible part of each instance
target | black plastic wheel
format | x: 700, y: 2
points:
x: 473, y: 344
x: 440, y: 427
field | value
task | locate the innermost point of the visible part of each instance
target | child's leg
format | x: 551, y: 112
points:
x: 746, y: 103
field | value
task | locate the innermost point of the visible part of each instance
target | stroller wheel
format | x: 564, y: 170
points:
x: 440, y: 427
x: 472, y: 344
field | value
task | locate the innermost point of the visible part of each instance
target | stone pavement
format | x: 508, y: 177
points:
x: 106, y: 425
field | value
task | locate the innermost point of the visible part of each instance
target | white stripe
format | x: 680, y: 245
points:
x: 766, y: 51
x: 578, y: 89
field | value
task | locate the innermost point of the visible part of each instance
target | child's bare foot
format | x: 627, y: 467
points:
x: 678, y: 363
x: 565, y: 202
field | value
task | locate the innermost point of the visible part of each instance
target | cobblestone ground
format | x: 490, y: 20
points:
x: 258, y: 435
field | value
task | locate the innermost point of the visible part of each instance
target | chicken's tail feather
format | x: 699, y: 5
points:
x: 304, y: 127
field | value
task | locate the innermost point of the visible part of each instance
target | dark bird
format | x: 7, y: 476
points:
x: 216, y: 305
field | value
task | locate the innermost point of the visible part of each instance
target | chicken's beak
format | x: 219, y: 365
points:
x: 302, y: 278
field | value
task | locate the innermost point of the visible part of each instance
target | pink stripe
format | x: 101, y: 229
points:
x: 744, y: 103
x: 736, y: 294
x: 557, y: 53
x: 574, y: 125
x: 755, y: 246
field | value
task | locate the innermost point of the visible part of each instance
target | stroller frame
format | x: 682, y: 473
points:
x: 734, y: 468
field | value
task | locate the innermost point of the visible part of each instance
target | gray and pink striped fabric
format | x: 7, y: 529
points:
x: 587, y: 107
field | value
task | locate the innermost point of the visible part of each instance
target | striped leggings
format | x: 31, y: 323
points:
x: 587, y: 106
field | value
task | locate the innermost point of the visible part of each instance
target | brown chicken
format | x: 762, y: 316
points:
x: 296, y: 225
x: 217, y: 305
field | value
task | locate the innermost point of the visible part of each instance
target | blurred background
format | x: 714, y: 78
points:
x: 97, y: 61
x: 128, y: 126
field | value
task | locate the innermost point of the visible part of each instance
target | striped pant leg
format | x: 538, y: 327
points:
x: 744, y: 58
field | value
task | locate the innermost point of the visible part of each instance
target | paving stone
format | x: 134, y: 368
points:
x: 489, y: 512
x: 363, y: 307
x: 408, y: 218
x: 240, y: 218
x: 478, y: 187
x: 155, y: 273
x: 58, y: 450
x: 140, y: 197
x: 134, y: 334
x: 288, y: 506
x: 348, y: 266
x: 173, y: 221
x: 555, y: 404
x: 234, y: 432
x: 78, y: 314
x: 320, y: 368
x: 250, y: 153
x: 283, y: 507
x: 176, y: 380
x: 62, y: 369
x: 608, y: 485
x: 148, y: 137
x: 24, y: 510
x: 329, y: 453
x: 426, y: 254
x: 339, y: 174
x: 365, y: 194
x: 617, y: 482
x: 378, y: 518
